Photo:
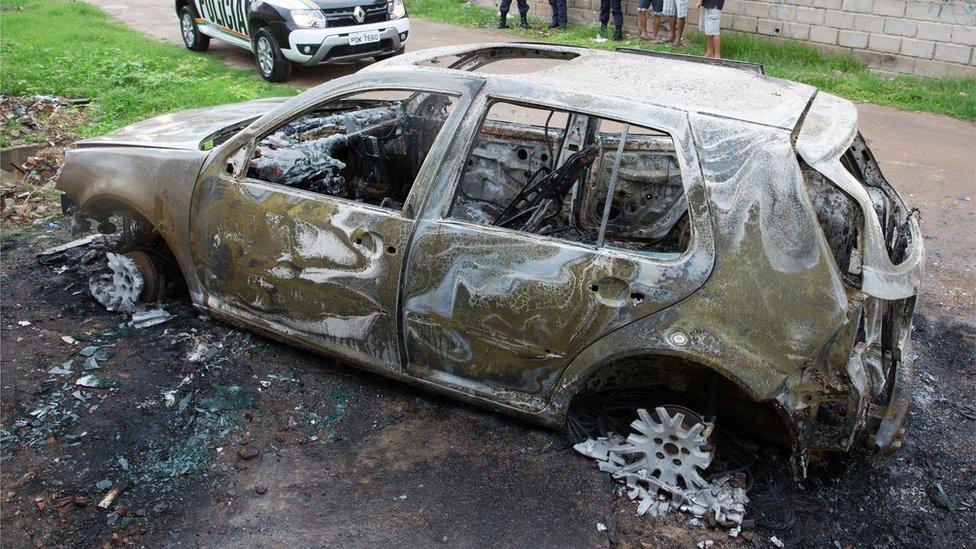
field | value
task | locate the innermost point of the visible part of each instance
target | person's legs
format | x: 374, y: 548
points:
x: 503, y: 8
x: 554, y: 6
x: 670, y: 12
x: 523, y: 7
x: 642, y: 6
x: 717, y: 46
x: 563, y: 17
x: 657, y: 6
x: 618, y: 19
x: 710, y: 23
x: 604, y: 15
x: 681, y: 12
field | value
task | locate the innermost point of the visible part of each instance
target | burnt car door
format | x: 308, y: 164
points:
x: 521, y: 262
x: 304, y: 232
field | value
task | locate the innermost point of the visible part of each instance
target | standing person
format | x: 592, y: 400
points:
x: 677, y: 11
x: 606, y: 6
x: 523, y: 7
x: 558, y: 14
x: 710, y: 23
x: 642, y: 6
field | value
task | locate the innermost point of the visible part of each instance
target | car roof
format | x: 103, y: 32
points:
x: 720, y: 89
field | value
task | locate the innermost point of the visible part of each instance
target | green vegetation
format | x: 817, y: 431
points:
x: 842, y: 75
x: 55, y: 47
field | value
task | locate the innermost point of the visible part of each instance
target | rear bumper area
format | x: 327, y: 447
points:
x: 315, y: 46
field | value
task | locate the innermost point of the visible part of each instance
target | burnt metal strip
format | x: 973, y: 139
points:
x: 612, y: 186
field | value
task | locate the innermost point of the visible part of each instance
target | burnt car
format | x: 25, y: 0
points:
x: 518, y: 226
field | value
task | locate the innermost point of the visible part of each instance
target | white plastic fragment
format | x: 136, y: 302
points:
x: 24, y: 322
x: 600, y: 527
x: 776, y: 541
x: 152, y: 317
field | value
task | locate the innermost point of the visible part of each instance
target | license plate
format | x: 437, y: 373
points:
x: 368, y: 37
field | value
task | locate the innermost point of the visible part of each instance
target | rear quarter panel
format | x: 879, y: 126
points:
x: 156, y: 183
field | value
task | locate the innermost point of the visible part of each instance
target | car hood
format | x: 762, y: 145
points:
x: 185, y: 129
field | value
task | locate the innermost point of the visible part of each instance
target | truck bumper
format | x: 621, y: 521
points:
x: 311, y: 47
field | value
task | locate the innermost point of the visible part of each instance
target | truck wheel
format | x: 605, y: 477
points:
x: 389, y: 55
x: 272, y: 64
x: 192, y: 37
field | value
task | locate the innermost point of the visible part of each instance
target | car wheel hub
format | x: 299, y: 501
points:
x: 187, y: 24
x: 673, y: 446
x: 265, y: 56
x: 118, y: 291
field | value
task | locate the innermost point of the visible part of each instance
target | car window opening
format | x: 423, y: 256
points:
x: 548, y: 172
x: 367, y: 148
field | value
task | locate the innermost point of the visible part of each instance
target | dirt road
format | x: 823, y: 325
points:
x: 220, y: 438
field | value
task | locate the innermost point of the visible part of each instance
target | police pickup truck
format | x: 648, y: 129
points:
x: 309, y: 32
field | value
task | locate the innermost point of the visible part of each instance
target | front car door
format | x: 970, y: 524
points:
x: 306, y: 237
x: 499, y: 300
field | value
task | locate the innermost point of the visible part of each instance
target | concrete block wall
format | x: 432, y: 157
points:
x: 924, y: 37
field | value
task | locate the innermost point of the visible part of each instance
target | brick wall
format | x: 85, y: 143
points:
x: 925, y: 37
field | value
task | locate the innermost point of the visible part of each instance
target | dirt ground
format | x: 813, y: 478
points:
x: 217, y: 437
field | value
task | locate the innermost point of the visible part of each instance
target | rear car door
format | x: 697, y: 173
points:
x: 499, y: 299
x: 305, y: 237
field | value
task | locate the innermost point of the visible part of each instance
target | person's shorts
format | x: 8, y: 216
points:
x: 710, y: 21
x: 676, y: 7
x: 657, y: 5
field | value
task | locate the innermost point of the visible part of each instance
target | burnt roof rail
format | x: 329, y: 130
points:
x: 742, y: 65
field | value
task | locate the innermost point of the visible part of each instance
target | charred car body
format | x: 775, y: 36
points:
x: 451, y: 228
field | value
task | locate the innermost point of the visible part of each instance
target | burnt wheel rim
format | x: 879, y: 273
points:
x: 187, y: 25
x: 265, y: 57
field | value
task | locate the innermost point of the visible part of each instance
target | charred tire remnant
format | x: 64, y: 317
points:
x: 272, y: 64
x: 610, y: 398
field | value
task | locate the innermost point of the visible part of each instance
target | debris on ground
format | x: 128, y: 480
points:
x: 152, y: 317
x: 76, y: 243
x: 109, y: 497
x: 661, y: 467
x: 39, y: 127
x: 97, y: 382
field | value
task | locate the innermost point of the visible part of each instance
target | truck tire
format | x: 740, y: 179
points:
x: 272, y: 64
x: 192, y: 37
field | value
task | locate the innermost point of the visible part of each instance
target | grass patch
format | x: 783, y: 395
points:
x: 842, y: 75
x: 73, y: 49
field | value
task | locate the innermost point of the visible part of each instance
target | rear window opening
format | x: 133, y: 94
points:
x: 550, y: 172
x: 503, y: 60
